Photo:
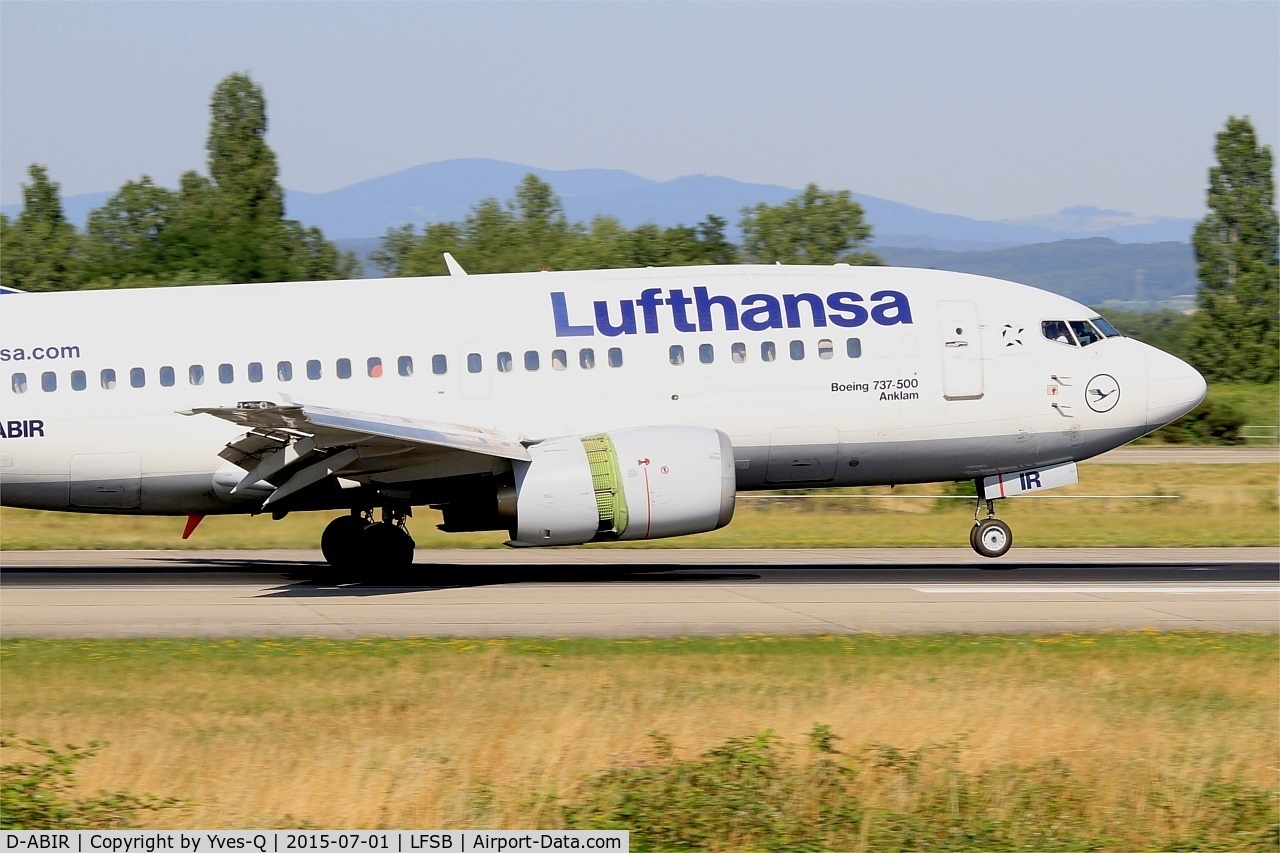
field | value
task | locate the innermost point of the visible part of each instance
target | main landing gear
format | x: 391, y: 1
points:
x: 353, y: 542
x: 990, y: 536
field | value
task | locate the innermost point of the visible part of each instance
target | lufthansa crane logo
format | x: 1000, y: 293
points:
x: 1102, y: 393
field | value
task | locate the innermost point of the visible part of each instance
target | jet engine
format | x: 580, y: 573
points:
x: 644, y: 483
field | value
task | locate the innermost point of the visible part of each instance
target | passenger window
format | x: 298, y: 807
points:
x: 615, y: 357
x: 531, y: 360
x: 853, y: 347
x: 797, y: 350
x: 473, y: 362
x: 504, y: 363
x: 107, y: 378
x: 313, y: 369
x: 738, y: 352
x: 167, y: 376
x: 1056, y: 330
x: 19, y: 383
x: 254, y: 371
x: 587, y: 358
x: 826, y: 349
x: 1086, y: 333
x: 374, y: 367
x: 706, y: 353
x: 78, y: 380
x: 439, y: 365
x: 284, y: 371
x: 405, y: 365
x: 676, y: 355
x: 49, y: 381
x: 559, y: 359
x: 195, y: 374
x: 226, y: 374
x: 768, y: 351
x: 344, y: 368
x: 137, y: 377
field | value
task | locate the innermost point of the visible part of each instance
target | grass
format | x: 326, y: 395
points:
x: 1124, y: 741
x: 1217, y: 505
x: 1259, y: 404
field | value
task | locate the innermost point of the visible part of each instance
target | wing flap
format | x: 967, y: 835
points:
x: 294, y: 446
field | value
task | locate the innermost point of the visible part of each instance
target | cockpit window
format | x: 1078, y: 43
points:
x: 1057, y: 330
x: 1106, y: 328
x: 1085, y: 332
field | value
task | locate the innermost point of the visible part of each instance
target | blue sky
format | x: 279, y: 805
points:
x: 987, y: 109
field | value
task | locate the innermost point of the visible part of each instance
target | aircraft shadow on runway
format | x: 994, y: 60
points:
x: 313, y: 580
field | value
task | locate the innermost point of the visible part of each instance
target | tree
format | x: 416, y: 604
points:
x: 40, y: 245
x: 1236, y: 331
x: 815, y: 227
x: 250, y: 239
x: 125, y: 240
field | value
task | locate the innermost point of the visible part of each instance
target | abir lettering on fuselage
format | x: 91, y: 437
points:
x: 656, y: 311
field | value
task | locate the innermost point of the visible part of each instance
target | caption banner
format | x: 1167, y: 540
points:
x: 285, y: 841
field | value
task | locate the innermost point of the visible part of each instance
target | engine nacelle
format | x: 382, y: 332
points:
x: 644, y: 483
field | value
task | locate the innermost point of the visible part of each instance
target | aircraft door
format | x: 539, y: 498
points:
x: 802, y: 454
x: 106, y: 481
x: 962, y: 369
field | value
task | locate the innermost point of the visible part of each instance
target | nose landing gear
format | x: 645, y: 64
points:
x: 990, y: 536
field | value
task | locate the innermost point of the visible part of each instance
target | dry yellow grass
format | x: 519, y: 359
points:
x: 458, y: 733
x: 1216, y: 505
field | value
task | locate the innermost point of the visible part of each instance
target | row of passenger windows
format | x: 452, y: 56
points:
x: 344, y: 368
x: 768, y: 351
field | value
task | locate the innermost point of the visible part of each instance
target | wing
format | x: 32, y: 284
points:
x: 291, y: 447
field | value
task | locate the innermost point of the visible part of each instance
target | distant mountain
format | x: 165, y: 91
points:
x: 1094, y: 270
x: 447, y: 190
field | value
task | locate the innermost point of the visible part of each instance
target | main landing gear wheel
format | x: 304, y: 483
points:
x: 388, y: 547
x: 340, y: 542
x: 991, y: 537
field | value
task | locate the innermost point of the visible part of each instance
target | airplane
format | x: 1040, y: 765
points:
x: 562, y: 407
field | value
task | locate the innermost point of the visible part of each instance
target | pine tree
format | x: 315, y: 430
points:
x: 39, y: 247
x: 1235, y: 335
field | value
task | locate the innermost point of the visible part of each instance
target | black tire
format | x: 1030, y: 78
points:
x: 991, y: 538
x: 341, y: 541
x: 387, y: 548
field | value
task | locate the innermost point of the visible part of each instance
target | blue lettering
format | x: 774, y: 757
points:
x: 767, y: 316
x: 649, y: 303
x: 756, y: 312
x: 606, y: 326
x: 843, y: 304
x: 1030, y: 480
x: 561, y: 314
x: 792, y: 302
x: 678, y: 302
x: 727, y: 305
x: 22, y: 429
x: 898, y: 303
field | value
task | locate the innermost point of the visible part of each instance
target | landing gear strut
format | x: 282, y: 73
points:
x: 990, y: 536
x: 353, y: 542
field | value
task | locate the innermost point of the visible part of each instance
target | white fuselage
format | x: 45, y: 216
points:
x: 818, y: 375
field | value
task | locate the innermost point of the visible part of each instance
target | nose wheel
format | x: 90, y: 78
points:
x: 990, y: 536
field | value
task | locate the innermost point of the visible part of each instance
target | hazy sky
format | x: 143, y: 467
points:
x: 986, y: 109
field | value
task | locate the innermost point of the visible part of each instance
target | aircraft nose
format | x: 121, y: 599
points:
x: 1173, y: 388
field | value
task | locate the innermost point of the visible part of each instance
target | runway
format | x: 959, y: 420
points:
x: 615, y: 593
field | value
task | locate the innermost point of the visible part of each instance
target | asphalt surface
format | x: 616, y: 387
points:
x: 608, y: 593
